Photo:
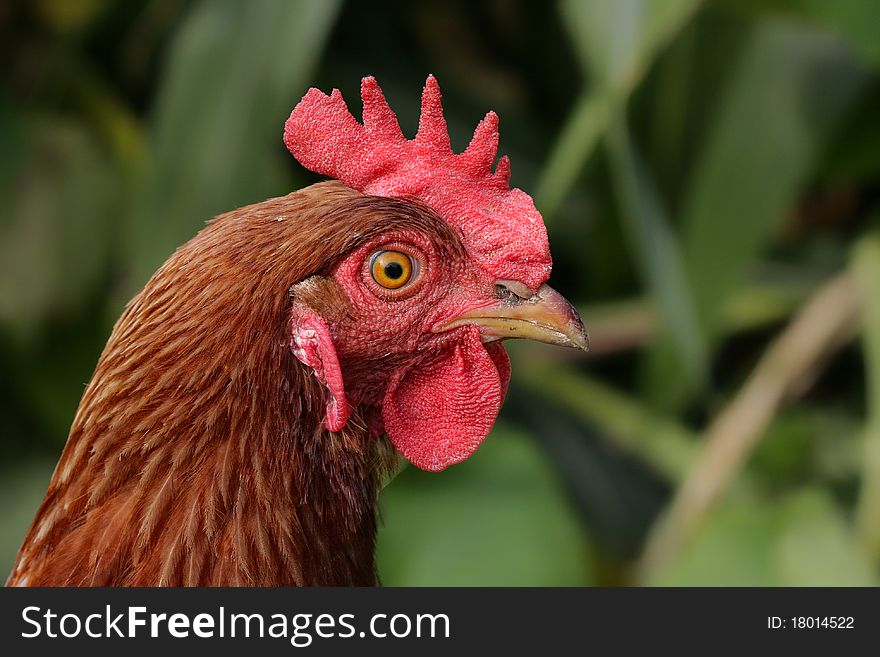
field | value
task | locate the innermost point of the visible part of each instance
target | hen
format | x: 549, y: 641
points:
x: 255, y: 393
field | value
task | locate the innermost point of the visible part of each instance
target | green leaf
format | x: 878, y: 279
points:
x: 656, y: 253
x: 498, y: 519
x: 56, y: 224
x: 583, y: 129
x: 22, y: 488
x: 616, y: 41
x: 854, y: 20
x: 789, y: 91
x: 233, y: 74
x: 800, y: 540
x: 815, y: 546
x: 733, y: 548
x: 657, y: 441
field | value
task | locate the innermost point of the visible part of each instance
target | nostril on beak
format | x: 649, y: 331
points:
x: 503, y: 293
x: 513, y: 291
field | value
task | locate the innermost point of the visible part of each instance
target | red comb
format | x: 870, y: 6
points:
x: 500, y: 226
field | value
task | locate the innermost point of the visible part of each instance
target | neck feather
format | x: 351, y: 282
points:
x: 197, y: 455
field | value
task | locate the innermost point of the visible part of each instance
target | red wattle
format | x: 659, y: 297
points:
x: 502, y: 363
x: 437, y: 413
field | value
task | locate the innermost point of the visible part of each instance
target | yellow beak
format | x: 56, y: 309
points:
x: 546, y: 316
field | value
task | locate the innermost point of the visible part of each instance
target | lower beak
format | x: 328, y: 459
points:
x: 546, y: 317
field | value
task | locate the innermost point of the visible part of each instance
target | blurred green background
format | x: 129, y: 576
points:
x: 709, y: 173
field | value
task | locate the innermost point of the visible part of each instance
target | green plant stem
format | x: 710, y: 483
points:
x: 827, y: 321
x: 620, y: 326
x: 616, y: 52
x: 660, y: 442
x: 590, y: 118
x: 656, y: 251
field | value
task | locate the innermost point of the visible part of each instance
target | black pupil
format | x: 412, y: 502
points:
x: 394, y: 270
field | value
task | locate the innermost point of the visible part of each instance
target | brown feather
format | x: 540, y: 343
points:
x: 197, y: 456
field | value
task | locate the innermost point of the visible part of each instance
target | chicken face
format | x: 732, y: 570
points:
x: 422, y: 309
x: 410, y: 326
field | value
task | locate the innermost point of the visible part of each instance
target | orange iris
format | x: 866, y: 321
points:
x: 391, y: 269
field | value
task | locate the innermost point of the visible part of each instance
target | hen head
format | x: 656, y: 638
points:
x: 409, y: 325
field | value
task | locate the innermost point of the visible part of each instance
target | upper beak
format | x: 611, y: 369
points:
x: 546, y: 316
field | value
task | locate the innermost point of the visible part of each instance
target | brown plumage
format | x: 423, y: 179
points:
x: 197, y: 455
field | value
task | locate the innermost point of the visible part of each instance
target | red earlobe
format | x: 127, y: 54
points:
x: 312, y: 344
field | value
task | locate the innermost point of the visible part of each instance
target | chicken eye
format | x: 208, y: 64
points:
x: 391, y: 269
